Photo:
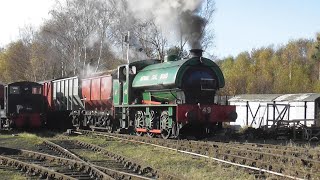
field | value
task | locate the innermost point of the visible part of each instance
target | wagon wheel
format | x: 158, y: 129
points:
x: 75, y: 121
x: 307, y: 134
x: 152, y: 119
x: 164, y: 125
x: 139, y: 119
x: 107, y: 123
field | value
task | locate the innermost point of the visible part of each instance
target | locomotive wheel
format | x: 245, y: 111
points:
x: 105, y: 122
x: 75, y: 121
x: 152, y: 119
x: 150, y: 135
x: 175, y: 130
x: 139, y: 118
x: 164, y: 125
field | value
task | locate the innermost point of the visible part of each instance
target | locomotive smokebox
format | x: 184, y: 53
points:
x: 196, y: 53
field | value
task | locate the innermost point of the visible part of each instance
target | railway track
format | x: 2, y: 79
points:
x: 114, y: 165
x: 44, y: 166
x: 286, y: 162
x: 299, y: 152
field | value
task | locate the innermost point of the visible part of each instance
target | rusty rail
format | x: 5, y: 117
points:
x: 280, y: 165
x: 36, y: 169
x: 138, y: 167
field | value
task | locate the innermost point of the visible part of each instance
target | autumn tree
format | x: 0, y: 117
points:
x: 227, y: 66
x: 260, y: 78
x: 287, y: 69
x: 3, y: 67
x: 16, y: 58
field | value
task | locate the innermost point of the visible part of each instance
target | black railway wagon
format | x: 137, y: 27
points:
x: 1, y: 96
x: 2, y: 112
x: 25, y: 105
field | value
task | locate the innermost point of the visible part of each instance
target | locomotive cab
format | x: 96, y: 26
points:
x: 25, y: 105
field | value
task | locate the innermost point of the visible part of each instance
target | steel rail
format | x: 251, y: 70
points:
x: 98, y: 173
x: 33, y: 168
x: 72, y: 163
x: 286, y: 162
x: 129, y: 162
x: 255, y: 153
x: 111, y: 172
x: 311, y: 154
x: 197, y: 154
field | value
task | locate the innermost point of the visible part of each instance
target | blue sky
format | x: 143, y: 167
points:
x: 247, y: 24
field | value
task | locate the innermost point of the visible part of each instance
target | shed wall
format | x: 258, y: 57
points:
x: 295, y: 111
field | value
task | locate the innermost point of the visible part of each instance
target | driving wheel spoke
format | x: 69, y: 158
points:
x: 164, y: 124
x: 139, y: 121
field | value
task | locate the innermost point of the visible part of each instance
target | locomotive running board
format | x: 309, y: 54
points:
x: 155, y: 131
x: 141, y: 130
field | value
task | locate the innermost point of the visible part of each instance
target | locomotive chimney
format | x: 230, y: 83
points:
x: 196, y: 52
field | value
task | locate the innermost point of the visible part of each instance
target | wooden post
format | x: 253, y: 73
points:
x: 247, y: 120
x: 294, y: 130
x: 305, y: 113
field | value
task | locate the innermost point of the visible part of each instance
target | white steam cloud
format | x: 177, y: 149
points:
x: 175, y: 18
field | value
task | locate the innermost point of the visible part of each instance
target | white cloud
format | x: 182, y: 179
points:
x: 15, y: 14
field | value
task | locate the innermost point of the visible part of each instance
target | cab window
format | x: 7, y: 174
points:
x: 36, y: 90
x: 14, y: 90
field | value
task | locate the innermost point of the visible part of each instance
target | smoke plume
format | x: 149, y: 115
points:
x: 192, y: 27
x: 177, y: 19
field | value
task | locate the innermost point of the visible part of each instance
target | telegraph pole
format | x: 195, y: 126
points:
x: 128, y: 46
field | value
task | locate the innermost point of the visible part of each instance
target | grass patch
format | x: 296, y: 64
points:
x: 89, y: 155
x: 4, y: 174
x: 182, y: 165
x: 20, y: 140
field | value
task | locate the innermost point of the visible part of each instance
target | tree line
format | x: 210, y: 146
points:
x: 82, y: 37
x: 290, y: 68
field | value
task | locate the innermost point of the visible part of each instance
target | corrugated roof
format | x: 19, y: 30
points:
x: 276, y: 97
x: 298, y: 97
x: 255, y: 97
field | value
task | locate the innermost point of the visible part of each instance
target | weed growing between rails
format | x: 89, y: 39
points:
x: 20, y: 140
x: 8, y: 174
x: 169, y: 161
